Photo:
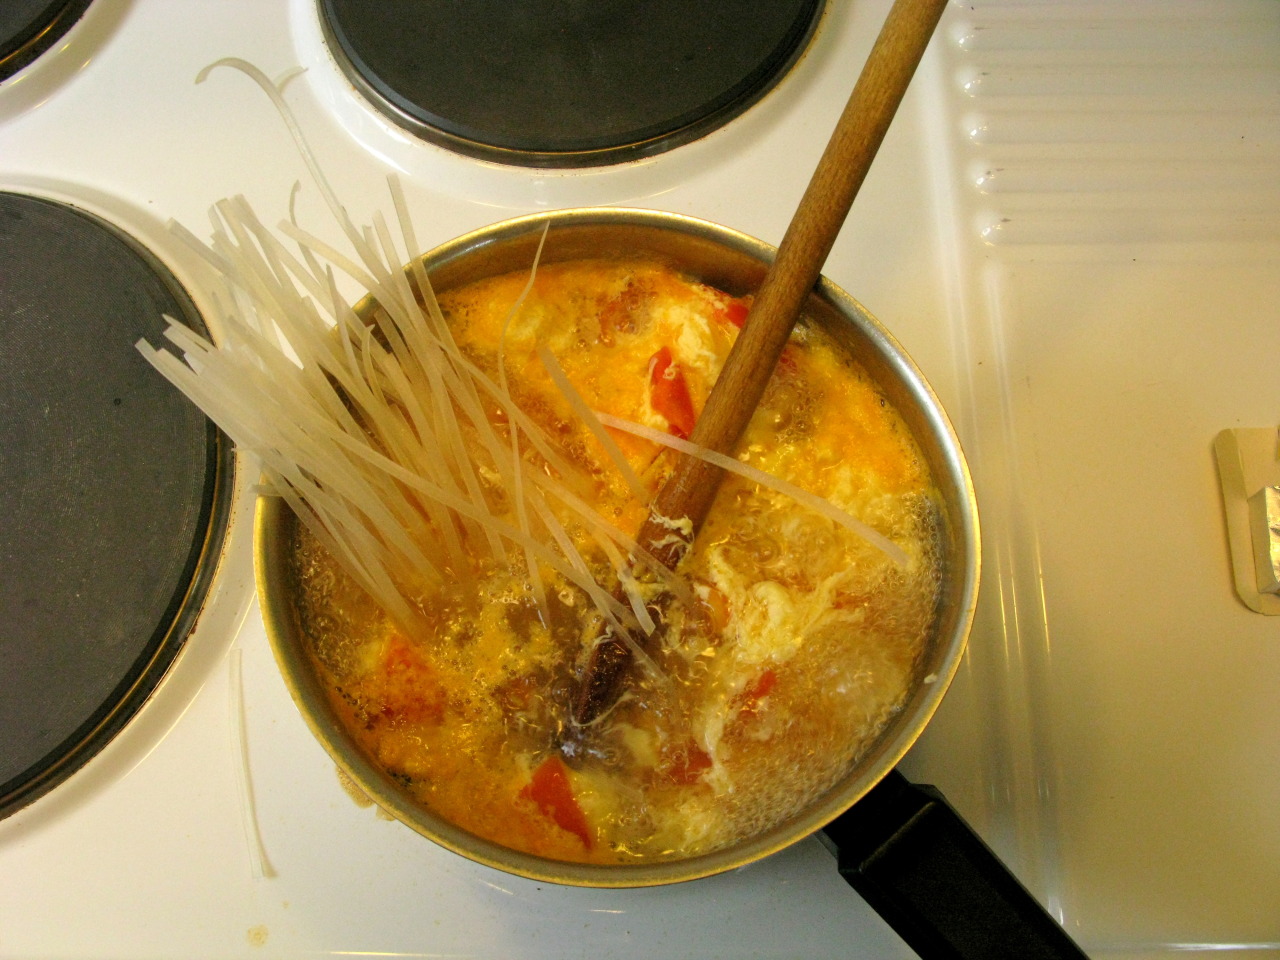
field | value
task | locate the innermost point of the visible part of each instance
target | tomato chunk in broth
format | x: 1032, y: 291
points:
x: 801, y: 640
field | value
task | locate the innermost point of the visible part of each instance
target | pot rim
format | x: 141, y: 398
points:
x: 954, y: 616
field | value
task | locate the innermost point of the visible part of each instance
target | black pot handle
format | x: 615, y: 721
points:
x: 934, y: 881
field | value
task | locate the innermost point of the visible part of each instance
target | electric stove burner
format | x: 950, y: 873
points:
x: 30, y: 27
x: 114, y: 491
x: 570, y: 83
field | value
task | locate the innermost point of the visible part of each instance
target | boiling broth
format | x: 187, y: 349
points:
x: 800, y: 639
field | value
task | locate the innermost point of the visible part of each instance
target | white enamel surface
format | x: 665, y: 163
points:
x: 1072, y: 228
x: 1112, y: 195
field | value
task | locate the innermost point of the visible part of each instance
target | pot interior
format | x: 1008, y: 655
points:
x: 736, y: 264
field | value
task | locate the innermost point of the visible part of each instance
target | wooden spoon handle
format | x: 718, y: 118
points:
x: 803, y: 251
x: 691, y: 487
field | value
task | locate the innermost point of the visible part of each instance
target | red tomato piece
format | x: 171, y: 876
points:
x: 752, y: 695
x: 689, y: 765
x: 762, y: 687
x: 551, y: 791
x: 735, y: 312
x: 407, y: 689
x: 669, y: 392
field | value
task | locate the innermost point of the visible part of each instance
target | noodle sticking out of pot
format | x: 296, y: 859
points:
x: 469, y: 471
x: 359, y: 425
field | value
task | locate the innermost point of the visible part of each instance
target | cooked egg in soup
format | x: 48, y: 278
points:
x: 793, y: 643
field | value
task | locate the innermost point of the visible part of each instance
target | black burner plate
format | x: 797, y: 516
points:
x: 565, y: 82
x: 30, y: 27
x: 114, y: 491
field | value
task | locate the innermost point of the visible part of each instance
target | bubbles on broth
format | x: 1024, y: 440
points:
x: 802, y: 642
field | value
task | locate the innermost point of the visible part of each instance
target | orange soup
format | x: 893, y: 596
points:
x: 796, y: 641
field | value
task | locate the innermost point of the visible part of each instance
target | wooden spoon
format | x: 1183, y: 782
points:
x: 691, y: 487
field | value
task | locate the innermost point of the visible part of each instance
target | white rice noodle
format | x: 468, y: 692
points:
x: 628, y: 582
x: 587, y: 416
x: 357, y: 534
x: 673, y: 582
x: 274, y: 92
x: 362, y: 431
x: 617, y: 627
x: 517, y: 462
x: 818, y: 504
x: 363, y: 441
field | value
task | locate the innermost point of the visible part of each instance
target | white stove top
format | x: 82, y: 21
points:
x: 1074, y: 229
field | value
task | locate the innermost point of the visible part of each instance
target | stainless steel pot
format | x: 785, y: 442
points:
x: 735, y: 263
